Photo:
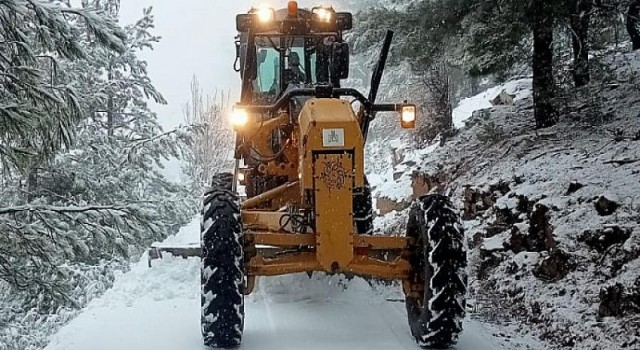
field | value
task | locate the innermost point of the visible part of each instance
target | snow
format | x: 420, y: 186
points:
x: 189, y: 235
x: 521, y: 88
x: 495, y: 243
x: 158, y: 308
x: 400, y: 190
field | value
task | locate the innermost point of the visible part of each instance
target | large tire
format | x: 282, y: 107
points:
x: 436, y: 305
x: 222, y: 272
x: 363, y: 210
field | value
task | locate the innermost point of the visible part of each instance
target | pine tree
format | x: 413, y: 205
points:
x: 633, y: 23
x: 542, y: 14
x: 99, y: 194
x: 37, y: 113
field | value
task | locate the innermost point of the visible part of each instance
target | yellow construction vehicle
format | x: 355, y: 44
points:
x: 299, y: 155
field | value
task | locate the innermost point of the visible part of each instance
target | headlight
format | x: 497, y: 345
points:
x: 266, y: 14
x: 239, y: 117
x: 408, y: 116
x: 323, y: 14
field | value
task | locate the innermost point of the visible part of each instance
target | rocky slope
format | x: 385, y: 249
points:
x: 552, y: 216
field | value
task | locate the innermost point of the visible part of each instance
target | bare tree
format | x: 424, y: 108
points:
x: 212, y: 146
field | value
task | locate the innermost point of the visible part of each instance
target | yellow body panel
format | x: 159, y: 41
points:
x: 329, y: 147
x: 333, y: 179
x: 324, y: 115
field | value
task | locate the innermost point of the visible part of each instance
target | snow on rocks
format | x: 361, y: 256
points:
x: 465, y: 109
x: 553, y: 217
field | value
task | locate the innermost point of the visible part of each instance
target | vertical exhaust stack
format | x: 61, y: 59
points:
x: 376, y: 78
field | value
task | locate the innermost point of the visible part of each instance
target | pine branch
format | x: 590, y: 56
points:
x: 63, y: 210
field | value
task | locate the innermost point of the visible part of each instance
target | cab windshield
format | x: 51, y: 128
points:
x: 297, y: 55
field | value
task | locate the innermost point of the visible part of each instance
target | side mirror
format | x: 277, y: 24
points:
x: 340, y: 61
x: 344, y: 21
x: 244, y: 22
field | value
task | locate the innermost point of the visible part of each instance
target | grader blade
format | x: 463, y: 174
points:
x: 154, y: 253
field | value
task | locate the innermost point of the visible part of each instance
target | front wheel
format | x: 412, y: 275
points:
x: 436, y: 302
x: 222, y: 269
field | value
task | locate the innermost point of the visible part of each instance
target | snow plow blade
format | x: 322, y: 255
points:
x: 185, y: 252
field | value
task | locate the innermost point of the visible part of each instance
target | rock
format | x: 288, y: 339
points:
x: 540, y: 236
x: 506, y: 216
x: 574, y: 186
x: 518, y: 241
x: 611, y: 301
x: 617, y: 300
x: 501, y: 188
x: 614, y: 259
x: 492, y: 230
x: 555, y: 266
x: 397, y: 175
x: 504, y: 98
x: 386, y: 205
x: 470, y: 203
x: 605, y: 206
x: 477, y: 239
x: 422, y: 183
x: 487, y: 201
x: 524, y: 204
x: 488, y: 262
x: 602, y: 239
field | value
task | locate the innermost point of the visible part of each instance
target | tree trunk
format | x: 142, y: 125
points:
x: 475, y: 85
x: 633, y: 23
x: 543, y: 85
x: 110, y: 121
x: 580, y: 16
x: 32, y: 184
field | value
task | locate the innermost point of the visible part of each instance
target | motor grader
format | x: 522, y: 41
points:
x: 299, y: 150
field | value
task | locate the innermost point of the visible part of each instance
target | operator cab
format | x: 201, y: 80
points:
x: 278, y: 51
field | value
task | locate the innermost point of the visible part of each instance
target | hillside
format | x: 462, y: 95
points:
x: 552, y: 219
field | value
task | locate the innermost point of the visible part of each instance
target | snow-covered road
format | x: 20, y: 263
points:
x: 158, y: 308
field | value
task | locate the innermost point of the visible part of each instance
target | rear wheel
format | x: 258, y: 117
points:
x: 222, y: 272
x: 436, y: 303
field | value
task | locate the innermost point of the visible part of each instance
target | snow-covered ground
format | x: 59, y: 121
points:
x: 158, y: 308
x: 521, y: 88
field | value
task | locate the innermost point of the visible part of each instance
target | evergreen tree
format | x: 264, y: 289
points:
x: 37, y: 111
x: 102, y: 196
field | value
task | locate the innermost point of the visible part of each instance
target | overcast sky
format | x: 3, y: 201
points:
x: 197, y: 39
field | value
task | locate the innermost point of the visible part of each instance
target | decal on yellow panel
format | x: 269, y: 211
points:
x: 334, y: 180
x: 333, y: 174
x: 333, y: 137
